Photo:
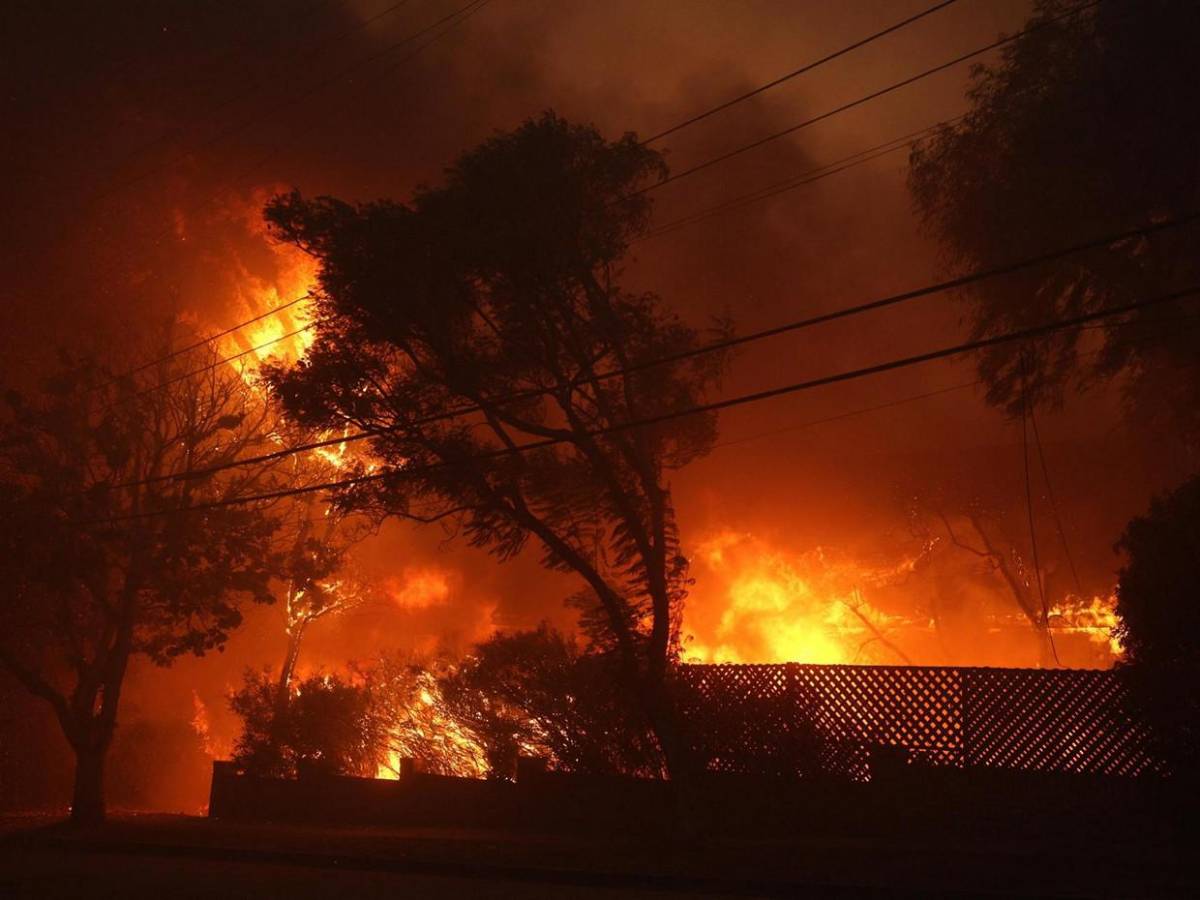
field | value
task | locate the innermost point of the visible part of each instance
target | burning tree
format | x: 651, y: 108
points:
x: 480, y: 333
x: 315, y: 580
x: 419, y: 722
x: 97, y: 565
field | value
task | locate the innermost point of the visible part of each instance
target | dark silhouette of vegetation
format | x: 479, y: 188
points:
x: 537, y: 693
x: 327, y: 724
x: 1160, y: 621
x: 1087, y: 124
x: 91, y: 574
x: 498, y: 293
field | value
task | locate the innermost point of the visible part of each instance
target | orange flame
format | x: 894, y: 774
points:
x: 426, y: 721
x: 213, y: 747
x: 780, y: 607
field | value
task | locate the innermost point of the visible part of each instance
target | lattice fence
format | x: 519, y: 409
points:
x: 799, y: 719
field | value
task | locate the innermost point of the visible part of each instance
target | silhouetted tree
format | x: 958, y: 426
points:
x: 327, y: 723
x: 1088, y: 125
x: 1160, y: 620
x: 487, y: 314
x: 95, y: 567
x: 536, y: 692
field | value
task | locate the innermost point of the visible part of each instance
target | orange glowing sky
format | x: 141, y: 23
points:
x: 789, y: 525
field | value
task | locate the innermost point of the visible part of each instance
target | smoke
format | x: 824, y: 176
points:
x: 201, y: 113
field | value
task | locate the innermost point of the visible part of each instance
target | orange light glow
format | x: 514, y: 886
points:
x: 780, y: 607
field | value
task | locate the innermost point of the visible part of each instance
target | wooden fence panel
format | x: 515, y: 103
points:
x: 803, y: 719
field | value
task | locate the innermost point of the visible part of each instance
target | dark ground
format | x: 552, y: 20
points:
x: 178, y: 856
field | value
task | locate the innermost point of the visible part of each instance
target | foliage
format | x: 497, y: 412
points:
x: 1089, y: 124
x: 419, y: 723
x: 496, y: 295
x: 324, y: 722
x: 1160, y: 619
x: 96, y: 566
x: 535, y: 692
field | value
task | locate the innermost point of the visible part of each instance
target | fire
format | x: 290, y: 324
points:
x: 213, y: 747
x: 1095, y: 618
x: 420, y: 588
x: 428, y: 733
x: 780, y: 607
x: 755, y: 602
x: 282, y: 335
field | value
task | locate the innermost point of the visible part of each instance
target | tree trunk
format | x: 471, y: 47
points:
x: 688, y: 814
x: 87, y: 804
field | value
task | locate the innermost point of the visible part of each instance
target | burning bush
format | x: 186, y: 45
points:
x: 418, y: 724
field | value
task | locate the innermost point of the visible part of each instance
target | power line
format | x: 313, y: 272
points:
x: 714, y: 406
x: 208, y: 340
x: 213, y: 365
x: 831, y: 168
x: 474, y: 7
x: 812, y: 175
x: 901, y: 401
x: 1062, y: 534
x: 837, y: 417
x: 1033, y: 543
x: 874, y: 95
x: 726, y: 344
x: 796, y: 72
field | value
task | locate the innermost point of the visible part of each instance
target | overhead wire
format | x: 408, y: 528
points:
x: 472, y: 8
x: 1058, y: 522
x: 1033, y: 541
x: 867, y: 98
x: 738, y: 340
x: 476, y: 5
x: 1018, y: 335
x: 196, y: 345
x: 807, y: 67
x: 808, y: 177
x: 796, y: 181
x: 925, y: 395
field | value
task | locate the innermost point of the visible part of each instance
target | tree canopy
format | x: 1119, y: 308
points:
x: 482, y: 334
x: 1160, y: 619
x: 95, y: 566
x: 1088, y: 125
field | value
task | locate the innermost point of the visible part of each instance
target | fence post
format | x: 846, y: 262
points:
x: 964, y: 716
